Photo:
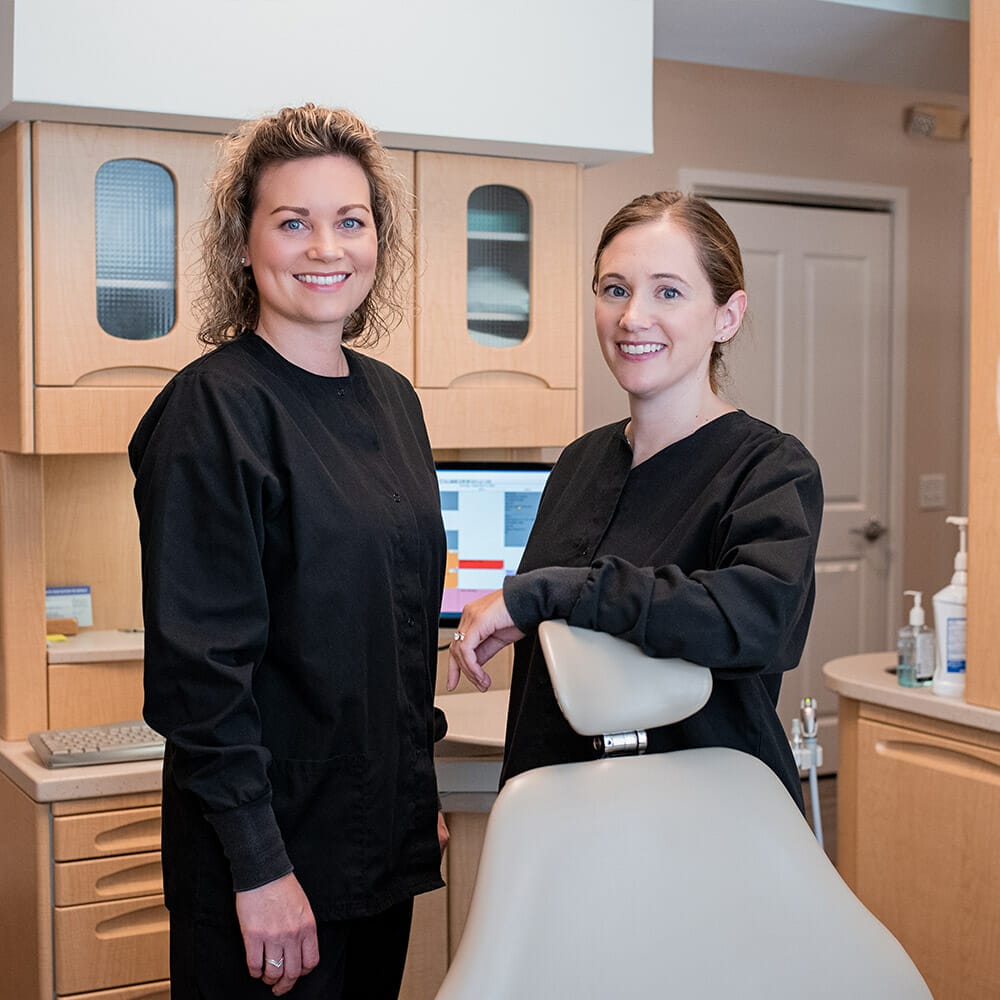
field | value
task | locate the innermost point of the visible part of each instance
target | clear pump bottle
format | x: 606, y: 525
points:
x: 915, y: 645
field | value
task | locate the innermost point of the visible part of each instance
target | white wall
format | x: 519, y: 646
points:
x: 553, y: 79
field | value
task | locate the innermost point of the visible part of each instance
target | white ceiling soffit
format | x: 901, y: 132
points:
x: 921, y: 44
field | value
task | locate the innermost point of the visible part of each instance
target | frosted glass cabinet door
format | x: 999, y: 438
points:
x: 114, y: 245
x: 499, y: 276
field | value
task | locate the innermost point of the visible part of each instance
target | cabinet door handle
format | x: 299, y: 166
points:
x: 953, y: 762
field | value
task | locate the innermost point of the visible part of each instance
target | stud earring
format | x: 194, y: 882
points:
x: 243, y: 261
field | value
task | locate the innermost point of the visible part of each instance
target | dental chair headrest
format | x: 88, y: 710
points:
x: 607, y: 685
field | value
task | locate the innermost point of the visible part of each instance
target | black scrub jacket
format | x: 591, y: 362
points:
x: 705, y: 551
x: 293, y: 557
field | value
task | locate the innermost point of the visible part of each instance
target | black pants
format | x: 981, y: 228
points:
x: 359, y: 959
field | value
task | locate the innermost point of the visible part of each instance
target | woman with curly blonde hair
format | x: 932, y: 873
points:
x: 229, y: 303
x: 293, y: 559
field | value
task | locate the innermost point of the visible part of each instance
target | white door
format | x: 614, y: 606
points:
x: 814, y: 361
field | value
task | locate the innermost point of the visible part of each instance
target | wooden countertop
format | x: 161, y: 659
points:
x: 60, y: 784
x: 468, y: 759
x: 475, y: 730
x: 476, y: 721
x: 96, y: 646
x: 865, y: 677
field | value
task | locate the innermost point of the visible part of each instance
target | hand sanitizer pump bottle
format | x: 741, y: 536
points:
x: 916, y: 647
x: 949, y: 622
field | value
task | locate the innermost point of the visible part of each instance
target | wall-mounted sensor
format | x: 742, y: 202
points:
x: 936, y: 121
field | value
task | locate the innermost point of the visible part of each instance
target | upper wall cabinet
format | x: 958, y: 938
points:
x: 497, y: 300
x: 101, y: 254
x: 115, y: 212
x: 103, y: 233
x: 98, y: 273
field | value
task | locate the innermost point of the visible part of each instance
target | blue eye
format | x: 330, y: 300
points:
x: 292, y: 224
x: 352, y: 223
x: 615, y: 292
x: 669, y: 293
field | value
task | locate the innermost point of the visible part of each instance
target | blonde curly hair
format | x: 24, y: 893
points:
x: 229, y: 304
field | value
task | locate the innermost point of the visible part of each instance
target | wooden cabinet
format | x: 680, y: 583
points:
x: 95, y: 677
x: 918, y: 800
x: 99, y: 314
x: 72, y: 342
x: 983, y: 682
x: 98, y: 270
x: 110, y: 928
x: 83, y: 905
x: 95, y: 310
x: 147, y: 991
x: 497, y: 317
x: 427, y: 957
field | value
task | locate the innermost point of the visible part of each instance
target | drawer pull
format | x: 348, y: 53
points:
x: 102, y: 834
x: 141, y: 879
x: 151, y: 991
x: 101, y: 946
x: 148, y: 920
x: 954, y: 762
x: 124, y: 837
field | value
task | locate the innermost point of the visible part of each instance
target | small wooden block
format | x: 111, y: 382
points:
x: 61, y: 626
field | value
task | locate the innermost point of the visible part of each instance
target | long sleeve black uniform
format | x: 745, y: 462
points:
x: 293, y: 557
x: 705, y: 551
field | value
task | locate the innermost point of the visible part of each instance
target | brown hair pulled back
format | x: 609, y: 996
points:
x: 714, y: 242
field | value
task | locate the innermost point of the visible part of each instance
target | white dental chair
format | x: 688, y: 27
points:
x: 687, y: 875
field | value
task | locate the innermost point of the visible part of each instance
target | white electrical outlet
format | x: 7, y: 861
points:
x: 932, y: 491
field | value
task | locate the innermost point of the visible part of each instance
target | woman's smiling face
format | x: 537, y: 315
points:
x: 655, y: 313
x: 312, y: 244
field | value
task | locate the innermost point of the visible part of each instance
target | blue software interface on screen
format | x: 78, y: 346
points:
x: 488, y: 512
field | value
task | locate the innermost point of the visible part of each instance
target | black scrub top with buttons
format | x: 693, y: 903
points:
x: 705, y: 551
x: 293, y: 558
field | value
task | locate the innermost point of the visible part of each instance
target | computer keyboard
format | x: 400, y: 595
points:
x: 109, y: 744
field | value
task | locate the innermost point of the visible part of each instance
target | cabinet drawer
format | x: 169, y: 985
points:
x: 148, y: 991
x: 924, y: 803
x: 96, y: 835
x: 103, y: 879
x: 111, y: 944
x: 89, y: 694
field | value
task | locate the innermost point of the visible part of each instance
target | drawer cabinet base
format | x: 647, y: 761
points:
x: 148, y: 991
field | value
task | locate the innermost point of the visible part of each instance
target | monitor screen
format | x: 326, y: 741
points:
x: 488, y: 511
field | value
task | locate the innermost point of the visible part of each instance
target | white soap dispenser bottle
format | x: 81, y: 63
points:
x: 915, y: 646
x: 949, y: 622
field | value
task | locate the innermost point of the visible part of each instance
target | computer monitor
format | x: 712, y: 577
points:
x: 488, y: 510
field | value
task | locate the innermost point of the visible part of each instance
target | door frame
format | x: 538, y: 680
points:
x: 812, y: 192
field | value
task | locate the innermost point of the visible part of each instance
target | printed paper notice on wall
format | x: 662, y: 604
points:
x: 69, y: 602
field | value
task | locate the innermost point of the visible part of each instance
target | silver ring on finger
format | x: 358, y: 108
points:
x: 459, y: 637
x: 276, y: 962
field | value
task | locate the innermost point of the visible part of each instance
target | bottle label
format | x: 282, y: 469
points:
x: 955, y: 645
x: 923, y: 661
